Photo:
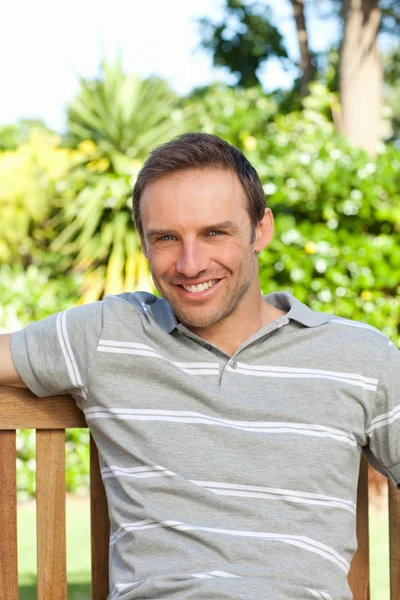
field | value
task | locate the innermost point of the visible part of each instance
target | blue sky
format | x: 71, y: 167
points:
x: 45, y: 46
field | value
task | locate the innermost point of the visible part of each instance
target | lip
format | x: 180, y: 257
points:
x: 198, y: 295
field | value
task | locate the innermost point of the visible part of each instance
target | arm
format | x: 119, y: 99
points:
x: 8, y: 372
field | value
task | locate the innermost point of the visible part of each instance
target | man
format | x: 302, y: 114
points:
x: 229, y: 425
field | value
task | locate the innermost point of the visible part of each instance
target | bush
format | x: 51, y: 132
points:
x: 30, y: 295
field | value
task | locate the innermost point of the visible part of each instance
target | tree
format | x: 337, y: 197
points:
x: 244, y: 40
x: 360, y: 74
x: 306, y: 64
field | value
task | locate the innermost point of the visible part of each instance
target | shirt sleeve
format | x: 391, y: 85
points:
x: 383, y: 429
x: 54, y: 355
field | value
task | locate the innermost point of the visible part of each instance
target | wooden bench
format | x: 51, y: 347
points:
x: 20, y: 409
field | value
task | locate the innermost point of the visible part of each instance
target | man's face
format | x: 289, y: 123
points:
x: 197, y: 237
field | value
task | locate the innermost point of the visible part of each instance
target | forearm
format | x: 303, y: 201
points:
x: 8, y: 372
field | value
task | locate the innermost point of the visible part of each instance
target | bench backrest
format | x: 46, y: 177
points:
x: 20, y: 409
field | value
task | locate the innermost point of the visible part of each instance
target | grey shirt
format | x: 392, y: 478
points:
x: 227, y: 477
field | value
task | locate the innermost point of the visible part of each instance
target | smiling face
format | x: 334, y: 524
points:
x: 197, y: 236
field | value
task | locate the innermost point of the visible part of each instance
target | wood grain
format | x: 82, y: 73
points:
x: 20, y: 409
x: 359, y: 573
x: 8, y: 518
x: 100, y: 528
x: 394, y: 541
x: 50, y: 500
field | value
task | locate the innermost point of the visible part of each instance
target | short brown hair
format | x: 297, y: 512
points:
x: 200, y: 151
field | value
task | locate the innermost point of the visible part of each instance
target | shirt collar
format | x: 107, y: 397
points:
x: 296, y: 310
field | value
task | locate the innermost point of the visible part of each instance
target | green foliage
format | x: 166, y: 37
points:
x: 121, y: 113
x: 30, y: 295
x: 14, y: 135
x: 244, y: 40
x: 233, y: 114
x: 29, y: 178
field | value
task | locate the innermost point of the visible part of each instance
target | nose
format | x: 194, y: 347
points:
x: 193, y: 259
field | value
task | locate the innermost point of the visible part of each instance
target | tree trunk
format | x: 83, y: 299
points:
x: 361, y: 74
x: 308, y: 70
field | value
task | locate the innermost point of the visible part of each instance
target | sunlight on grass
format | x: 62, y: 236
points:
x: 78, y: 549
x: 379, y: 555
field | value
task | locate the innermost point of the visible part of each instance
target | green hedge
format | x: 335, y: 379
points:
x: 29, y: 295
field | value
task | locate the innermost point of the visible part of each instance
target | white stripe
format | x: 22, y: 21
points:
x: 138, y: 352
x: 177, y: 416
x: 319, y: 595
x: 287, y: 375
x: 286, y: 495
x: 212, y: 574
x: 223, y: 574
x: 295, y: 540
x: 190, y: 368
x: 299, y: 370
x: 139, y: 472
x: 69, y: 348
x: 385, y: 419
x: 119, y: 588
x: 68, y: 354
x: 217, y: 484
x: 143, y: 524
x: 194, y: 365
x: 238, y: 490
x: 201, y: 371
x: 350, y: 323
x: 125, y: 344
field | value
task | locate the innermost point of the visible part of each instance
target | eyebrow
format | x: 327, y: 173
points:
x: 226, y: 225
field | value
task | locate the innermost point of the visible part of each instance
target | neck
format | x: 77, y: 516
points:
x: 230, y: 333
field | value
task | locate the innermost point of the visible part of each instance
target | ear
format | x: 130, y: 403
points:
x: 264, y: 231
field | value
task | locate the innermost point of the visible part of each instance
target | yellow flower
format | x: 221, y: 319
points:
x: 87, y: 147
x: 98, y: 166
x: 250, y: 142
x: 310, y: 248
x: 366, y: 295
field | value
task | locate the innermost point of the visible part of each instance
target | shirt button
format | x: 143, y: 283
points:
x: 233, y: 364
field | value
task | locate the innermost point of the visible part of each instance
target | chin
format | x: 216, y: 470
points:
x: 200, y: 321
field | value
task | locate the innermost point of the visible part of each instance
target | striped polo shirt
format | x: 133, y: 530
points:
x: 227, y: 477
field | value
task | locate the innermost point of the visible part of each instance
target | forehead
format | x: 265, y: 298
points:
x: 193, y: 196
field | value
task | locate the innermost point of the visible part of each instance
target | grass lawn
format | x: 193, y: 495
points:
x: 78, y: 552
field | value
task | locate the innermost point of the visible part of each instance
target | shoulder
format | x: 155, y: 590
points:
x: 354, y: 342
x: 356, y: 330
x: 140, y: 306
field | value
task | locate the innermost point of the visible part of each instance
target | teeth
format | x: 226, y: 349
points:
x: 201, y: 287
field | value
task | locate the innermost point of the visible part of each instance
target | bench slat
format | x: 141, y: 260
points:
x: 8, y: 517
x: 50, y: 500
x: 100, y: 528
x: 359, y: 573
x: 23, y: 410
x: 394, y: 539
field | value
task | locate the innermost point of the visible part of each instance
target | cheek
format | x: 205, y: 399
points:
x: 161, y: 262
x: 231, y: 254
